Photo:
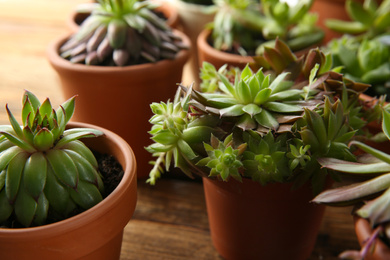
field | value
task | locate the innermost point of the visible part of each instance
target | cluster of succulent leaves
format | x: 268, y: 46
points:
x: 365, y: 61
x: 245, y: 26
x: 372, y: 196
x: 363, y: 53
x: 265, y: 125
x: 368, y: 19
x: 44, y: 168
x: 120, y: 33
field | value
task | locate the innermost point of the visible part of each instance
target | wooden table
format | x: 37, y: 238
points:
x: 170, y: 221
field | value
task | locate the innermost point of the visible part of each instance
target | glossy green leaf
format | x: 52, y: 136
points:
x: 25, y: 208
x: 43, y: 140
x: 41, y: 211
x: 82, y: 149
x: 86, y: 195
x: 35, y: 172
x: 63, y: 167
x: 7, y: 155
x: 235, y: 110
x: 13, y: 175
x: 252, y: 109
x: 77, y: 133
x: 56, y: 193
x: 15, y: 125
x: 262, y: 96
x: 266, y: 119
x: 86, y: 171
x: 356, y: 11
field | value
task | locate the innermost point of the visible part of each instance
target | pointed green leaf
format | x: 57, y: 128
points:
x: 18, y: 142
x: 15, y: 125
x: 283, y: 107
x: 266, y: 119
x: 56, y: 193
x: 33, y: 99
x: 235, y: 110
x: 7, y: 155
x: 186, y: 150
x: 252, y: 109
x: 262, y: 96
x: 77, y: 133
x: 83, y: 150
x: 86, y: 171
x: 43, y: 140
x: 353, y: 167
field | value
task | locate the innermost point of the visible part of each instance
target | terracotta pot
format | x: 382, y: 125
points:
x: 170, y: 13
x: 192, y: 19
x: 95, y: 234
x: 119, y: 98
x: 363, y: 231
x: 250, y: 221
x: 207, y: 52
x: 218, y: 58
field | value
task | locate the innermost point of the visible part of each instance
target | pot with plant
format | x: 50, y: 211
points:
x: 241, y: 29
x: 193, y: 17
x: 123, y: 58
x: 161, y: 9
x: 370, y: 197
x: 57, y: 201
x: 254, y: 137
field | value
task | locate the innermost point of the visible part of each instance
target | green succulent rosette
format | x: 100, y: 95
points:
x: 44, y: 168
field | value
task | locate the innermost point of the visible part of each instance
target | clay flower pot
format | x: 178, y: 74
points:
x: 250, y: 221
x: 363, y: 231
x: 119, y: 98
x: 94, y: 234
x: 192, y: 20
x: 216, y: 57
x: 170, y: 13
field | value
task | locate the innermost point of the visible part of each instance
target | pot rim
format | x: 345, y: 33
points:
x: 211, y: 51
x: 79, y: 220
x: 57, y: 61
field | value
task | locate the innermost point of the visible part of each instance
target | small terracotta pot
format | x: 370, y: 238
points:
x: 95, y: 234
x: 363, y: 231
x: 119, y: 98
x: 75, y: 18
x: 218, y: 58
x: 192, y: 20
x: 250, y: 221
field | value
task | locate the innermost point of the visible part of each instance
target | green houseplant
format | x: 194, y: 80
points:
x: 193, y: 17
x: 128, y: 34
x: 244, y: 27
x: 254, y: 135
x: 370, y: 197
x: 363, y: 51
x: 53, y: 192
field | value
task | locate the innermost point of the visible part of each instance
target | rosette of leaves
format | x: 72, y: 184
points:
x: 368, y: 19
x: 245, y: 26
x: 44, y: 168
x: 370, y: 197
x: 120, y: 33
x: 366, y: 61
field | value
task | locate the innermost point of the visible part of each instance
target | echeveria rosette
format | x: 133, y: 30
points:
x: 256, y: 100
x: 223, y: 159
x: 265, y: 158
x: 121, y: 33
x: 44, y: 167
x: 371, y: 197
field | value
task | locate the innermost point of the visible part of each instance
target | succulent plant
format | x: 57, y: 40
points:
x: 264, y: 125
x: 370, y: 197
x: 44, y: 167
x: 368, y: 19
x: 244, y: 27
x: 120, y: 33
x: 366, y: 60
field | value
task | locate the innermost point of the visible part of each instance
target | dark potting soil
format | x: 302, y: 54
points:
x: 111, y: 172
